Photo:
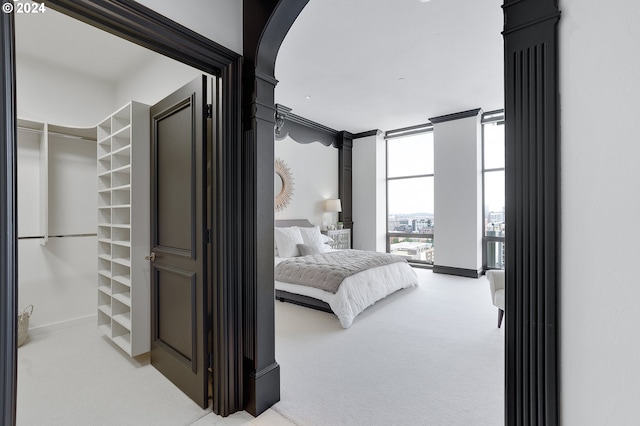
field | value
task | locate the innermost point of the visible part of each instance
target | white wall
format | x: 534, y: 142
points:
x: 50, y: 93
x: 154, y: 81
x: 369, y: 193
x: 218, y: 20
x: 600, y: 205
x: 458, y: 193
x: 315, y: 174
x: 59, y: 278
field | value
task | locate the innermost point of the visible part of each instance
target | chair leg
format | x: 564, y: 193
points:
x: 500, y: 315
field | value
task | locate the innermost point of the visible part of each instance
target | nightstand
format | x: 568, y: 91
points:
x: 341, y: 238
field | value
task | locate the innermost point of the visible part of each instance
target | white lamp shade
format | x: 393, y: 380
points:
x: 333, y: 205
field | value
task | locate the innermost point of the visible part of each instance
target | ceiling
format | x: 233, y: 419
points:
x: 353, y: 65
x: 387, y: 64
x: 56, y: 38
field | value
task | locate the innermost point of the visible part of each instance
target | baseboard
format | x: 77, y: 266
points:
x: 263, y: 390
x: 461, y: 272
x: 57, y: 326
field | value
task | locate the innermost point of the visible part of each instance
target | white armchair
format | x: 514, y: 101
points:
x: 496, y: 285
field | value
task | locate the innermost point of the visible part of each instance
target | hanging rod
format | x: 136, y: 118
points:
x: 36, y: 237
x: 65, y: 135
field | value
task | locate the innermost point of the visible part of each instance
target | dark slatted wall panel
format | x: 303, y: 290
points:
x: 249, y: 280
x: 532, y: 192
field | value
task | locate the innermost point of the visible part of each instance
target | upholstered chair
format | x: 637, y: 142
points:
x: 496, y: 285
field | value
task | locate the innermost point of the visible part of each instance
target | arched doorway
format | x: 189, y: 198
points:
x: 532, y: 167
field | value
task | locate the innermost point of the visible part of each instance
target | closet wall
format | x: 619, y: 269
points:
x: 57, y: 277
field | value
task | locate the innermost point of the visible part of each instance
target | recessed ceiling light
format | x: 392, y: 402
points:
x: 307, y: 97
x: 424, y: 1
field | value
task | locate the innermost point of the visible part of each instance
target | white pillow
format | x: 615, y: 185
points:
x: 326, y: 239
x: 286, y: 240
x: 312, y: 237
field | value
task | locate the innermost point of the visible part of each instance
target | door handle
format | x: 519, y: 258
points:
x: 151, y: 257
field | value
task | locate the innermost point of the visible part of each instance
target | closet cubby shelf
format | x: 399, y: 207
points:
x: 123, y: 230
x: 124, y: 298
x: 122, y: 261
x: 122, y: 151
x: 106, y: 309
x: 124, y: 320
x: 124, y: 341
x: 122, y: 132
x: 122, y: 280
x: 117, y: 188
x: 106, y: 329
x: 121, y: 225
x: 121, y: 168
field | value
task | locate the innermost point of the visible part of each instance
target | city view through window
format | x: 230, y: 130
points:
x: 494, y: 199
x: 410, y: 201
x: 411, y: 222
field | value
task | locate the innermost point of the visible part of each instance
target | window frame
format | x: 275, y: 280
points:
x: 397, y: 134
x: 489, y: 117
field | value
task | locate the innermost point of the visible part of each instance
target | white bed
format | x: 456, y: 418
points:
x: 355, y: 294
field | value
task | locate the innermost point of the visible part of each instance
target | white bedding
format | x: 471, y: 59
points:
x: 358, y: 291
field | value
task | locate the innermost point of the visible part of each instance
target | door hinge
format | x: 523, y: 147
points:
x: 208, y: 236
x: 209, y: 111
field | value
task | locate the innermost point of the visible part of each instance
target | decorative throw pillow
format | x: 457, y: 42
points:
x: 312, y: 237
x: 286, y: 240
x: 306, y: 250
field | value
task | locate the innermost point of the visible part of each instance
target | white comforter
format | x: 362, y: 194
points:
x: 358, y: 291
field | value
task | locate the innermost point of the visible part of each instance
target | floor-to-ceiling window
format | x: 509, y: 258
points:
x: 410, y: 218
x: 493, y: 189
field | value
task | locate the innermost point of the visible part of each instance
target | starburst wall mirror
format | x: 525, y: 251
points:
x: 283, y: 185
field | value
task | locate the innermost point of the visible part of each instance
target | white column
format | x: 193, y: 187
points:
x: 458, y: 193
x: 369, y: 193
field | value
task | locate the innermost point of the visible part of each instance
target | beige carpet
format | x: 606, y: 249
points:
x: 430, y: 355
x: 75, y: 376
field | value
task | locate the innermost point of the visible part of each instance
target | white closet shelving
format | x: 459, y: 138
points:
x: 123, y: 228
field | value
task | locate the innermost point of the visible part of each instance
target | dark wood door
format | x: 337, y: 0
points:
x: 180, y: 131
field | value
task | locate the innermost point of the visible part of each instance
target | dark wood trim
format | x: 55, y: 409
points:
x: 307, y: 302
x: 411, y: 130
x: 532, y: 243
x: 374, y: 132
x: 302, y: 130
x: 145, y: 27
x: 8, y: 225
x: 264, y: 30
x: 140, y: 25
x: 455, y: 116
x: 345, y: 179
x: 461, y: 272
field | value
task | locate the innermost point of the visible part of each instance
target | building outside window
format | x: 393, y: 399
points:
x: 410, y: 218
x: 493, y: 189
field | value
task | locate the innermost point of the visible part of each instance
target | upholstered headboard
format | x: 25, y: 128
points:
x: 303, y: 223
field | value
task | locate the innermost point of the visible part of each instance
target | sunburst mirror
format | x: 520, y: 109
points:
x: 283, y: 185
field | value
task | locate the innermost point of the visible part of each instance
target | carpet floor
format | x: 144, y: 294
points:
x: 429, y: 355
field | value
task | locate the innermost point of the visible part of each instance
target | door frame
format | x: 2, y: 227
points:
x: 145, y: 27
